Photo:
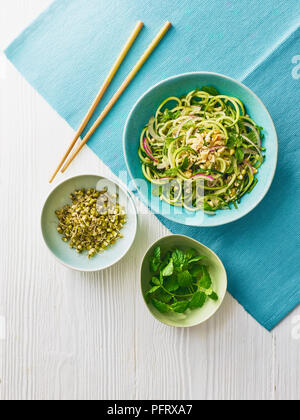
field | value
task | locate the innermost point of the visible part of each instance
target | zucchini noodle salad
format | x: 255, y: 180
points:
x: 203, y: 153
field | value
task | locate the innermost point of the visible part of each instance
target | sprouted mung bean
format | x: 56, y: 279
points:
x: 93, y: 222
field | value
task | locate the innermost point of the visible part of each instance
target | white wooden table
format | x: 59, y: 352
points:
x: 89, y: 336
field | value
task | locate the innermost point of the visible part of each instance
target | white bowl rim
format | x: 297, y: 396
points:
x: 125, y: 191
x: 208, y: 249
x: 268, y: 186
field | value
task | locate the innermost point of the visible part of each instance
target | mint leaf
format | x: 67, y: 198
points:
x: 240, y: 155
x: 208, y: 292
x: 154, y: 289
x: 179, y: 272
x: 190, y: 253
x: 156, y: 281
x: 155, y: 261
x: 234, y: 141
x: 196, y: 270
x: 231, y: 142
x: 180, y: 307
x: 168, y: 142
x: 198, y: 300
x: 161, y: 278
x: 169, y: 269
x: 171, y: 283
x: 178, y: 258
x: 185, y: 164
x: 239, y: 141
x: 205, y: 280
x: 210, y: 90
x: 160, y: 306
x: 214, y: 296
x: 208, y: 207
x: 251, y: 136
x: 196, y: 259
x: 155, y: 265
x: 157, y: 253
x: 185, y: 279
x: 162, y: 296
x: 169, y: 115
x: 171, y: 172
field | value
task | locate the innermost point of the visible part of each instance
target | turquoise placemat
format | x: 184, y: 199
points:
x: 66, y: 53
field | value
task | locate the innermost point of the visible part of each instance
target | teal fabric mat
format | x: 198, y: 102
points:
x: 66, y: 53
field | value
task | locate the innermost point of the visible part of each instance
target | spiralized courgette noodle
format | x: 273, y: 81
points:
x: 201, y: 151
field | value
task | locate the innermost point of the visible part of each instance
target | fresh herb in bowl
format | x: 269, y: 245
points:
x: 180, y: 281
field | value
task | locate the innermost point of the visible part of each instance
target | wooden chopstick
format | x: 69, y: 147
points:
x: 120, y: 91
x: 100, y: 94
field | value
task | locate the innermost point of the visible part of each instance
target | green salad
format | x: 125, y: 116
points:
x: 203, y: 153
x: 180, y: 281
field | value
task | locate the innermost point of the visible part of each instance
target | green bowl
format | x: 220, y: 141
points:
x: 217, y: 271
x: 61, y: 250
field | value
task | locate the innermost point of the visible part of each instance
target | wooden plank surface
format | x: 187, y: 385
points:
x: 89, y: 336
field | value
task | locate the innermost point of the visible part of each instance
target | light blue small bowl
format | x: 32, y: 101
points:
x: 59, y: 197
x: 180, y: 85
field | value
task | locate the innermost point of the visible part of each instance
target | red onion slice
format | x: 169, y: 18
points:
x: 209, y: 178
x: 148, y: 151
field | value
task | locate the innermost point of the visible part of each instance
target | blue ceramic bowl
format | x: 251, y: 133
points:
x: 178, y: 86
x: 61, y: 250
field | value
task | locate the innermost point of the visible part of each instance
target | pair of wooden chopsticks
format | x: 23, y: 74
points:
x: 116, y: 96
